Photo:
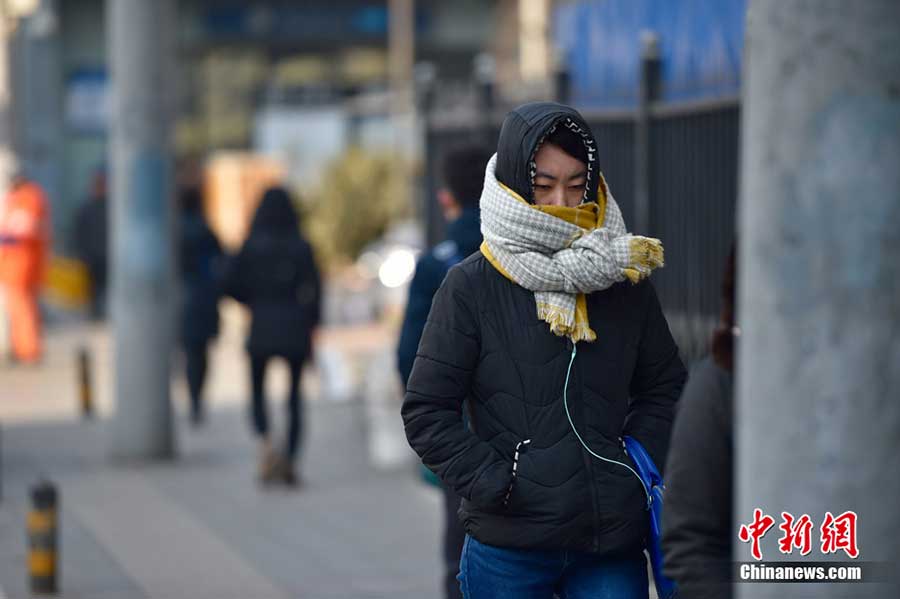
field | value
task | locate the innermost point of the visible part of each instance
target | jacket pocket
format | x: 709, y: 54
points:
x: 521, y: 448
x: 489, y: 489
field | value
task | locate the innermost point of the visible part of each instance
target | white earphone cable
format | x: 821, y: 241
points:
x: 583, y: 444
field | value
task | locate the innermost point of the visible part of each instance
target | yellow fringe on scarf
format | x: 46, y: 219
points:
x: 580, y: 331
x: 646, y: 253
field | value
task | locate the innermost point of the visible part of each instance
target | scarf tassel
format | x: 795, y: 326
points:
x: 559, y: 325
x: 646, y: 254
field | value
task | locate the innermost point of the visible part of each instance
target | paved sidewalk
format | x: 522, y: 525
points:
x: 199, y: 527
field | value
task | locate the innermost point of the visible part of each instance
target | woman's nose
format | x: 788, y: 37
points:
x: 558, y: 196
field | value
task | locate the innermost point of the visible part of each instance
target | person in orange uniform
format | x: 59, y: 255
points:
x: 24, y: 238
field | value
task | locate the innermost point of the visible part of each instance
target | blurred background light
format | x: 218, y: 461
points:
x: 397, y: 268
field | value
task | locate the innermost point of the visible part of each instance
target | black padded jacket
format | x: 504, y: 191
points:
x: 483, y: 347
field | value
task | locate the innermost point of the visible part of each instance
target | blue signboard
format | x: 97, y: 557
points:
x: 87, y: 103
x: 700, y: 45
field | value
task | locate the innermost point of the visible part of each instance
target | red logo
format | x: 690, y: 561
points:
x: 837, y: 533
x: 840, y: 533
x: 755, y: 531
x: 796, y: 534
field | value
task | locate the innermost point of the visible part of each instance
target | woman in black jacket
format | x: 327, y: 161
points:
x: 200, y: 260
x: 274, y: 274
x: 555, y: 344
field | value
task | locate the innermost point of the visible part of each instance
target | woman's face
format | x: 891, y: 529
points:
x: 560, y: 178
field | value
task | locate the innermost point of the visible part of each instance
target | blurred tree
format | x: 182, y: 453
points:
x: 361, y: 194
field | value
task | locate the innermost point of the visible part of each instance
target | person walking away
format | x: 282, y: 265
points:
x: 463, y: 174
x: 201, y: 264
x: 697, y: 527
x: 92, y: 241
x: 275, y: 276
x: 554, y: 340
x: 24, y: 242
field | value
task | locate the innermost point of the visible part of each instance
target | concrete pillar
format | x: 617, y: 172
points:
x: 40, y: 130
x: 817, y: 415
x: 401, y: 55
x: 7, y: 150
x: 140, y: 46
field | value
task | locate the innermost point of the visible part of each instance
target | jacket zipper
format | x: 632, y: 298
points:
x: 588, y: 462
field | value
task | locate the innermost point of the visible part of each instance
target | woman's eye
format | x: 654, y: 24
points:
x: 577, y: 187
x: 542, y: 187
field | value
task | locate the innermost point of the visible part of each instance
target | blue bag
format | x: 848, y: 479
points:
x: 653, y: 481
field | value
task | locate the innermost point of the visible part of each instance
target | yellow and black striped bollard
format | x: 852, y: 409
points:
x: 42, y: 538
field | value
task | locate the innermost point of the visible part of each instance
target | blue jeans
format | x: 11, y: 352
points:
x: 488, y: 572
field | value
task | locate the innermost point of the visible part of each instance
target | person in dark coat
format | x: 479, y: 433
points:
x: 201, y: 263
x: 463, y: 171
x: 91, y: 241
x: 697, y: 522
x: 555, y: 343
x: 275, y: 276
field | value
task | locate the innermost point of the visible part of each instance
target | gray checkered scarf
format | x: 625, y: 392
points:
x: 558, y: 260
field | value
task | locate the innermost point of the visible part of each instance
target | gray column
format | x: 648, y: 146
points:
x: 401, y: 55
x: 140, y: 49
x: 7, y: 149
x: 818, y: 407
x: 40, y: 130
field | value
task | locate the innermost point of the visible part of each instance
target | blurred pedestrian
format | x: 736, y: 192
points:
x: 551, y: 502
x: 201, y: 263
x: 697, y: 528
x: 24, y: 243
x: 92, y: 240
x: 463, y: 174
x: 275, y: 275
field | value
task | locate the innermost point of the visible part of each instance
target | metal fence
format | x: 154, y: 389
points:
x: 692, y: 194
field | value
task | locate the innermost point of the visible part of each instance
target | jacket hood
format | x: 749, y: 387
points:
x: 275, y: 216
x: 523, y: 131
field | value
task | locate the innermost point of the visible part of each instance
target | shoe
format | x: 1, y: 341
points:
x: 269, y: 464
x: 289, y: 475
x: 198, y: 419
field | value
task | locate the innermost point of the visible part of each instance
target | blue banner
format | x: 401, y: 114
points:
x: 700, y: 44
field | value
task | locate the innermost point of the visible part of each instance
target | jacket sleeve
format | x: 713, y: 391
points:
x: 440, y: 381
x: 422, y: 289
x: 656, y: 383
x: 233, y: 283
x: 218, y: 263
x: 311, y: 284
x: 697, y: 526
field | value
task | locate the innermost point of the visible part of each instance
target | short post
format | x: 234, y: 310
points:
x: 562, y: 79
x: 42, y: 538
x: 85, y: 389
x: 485, y: 73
